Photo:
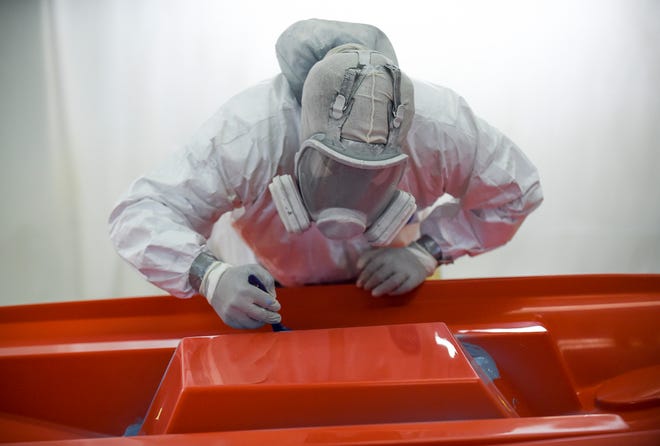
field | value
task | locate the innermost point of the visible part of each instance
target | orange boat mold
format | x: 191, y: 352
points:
x: 323, y: 377
x: 567, y: 360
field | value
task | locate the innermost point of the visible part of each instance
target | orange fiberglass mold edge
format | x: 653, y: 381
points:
x: 557, y: 360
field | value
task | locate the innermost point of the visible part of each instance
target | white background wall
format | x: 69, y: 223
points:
x: 95, y: 93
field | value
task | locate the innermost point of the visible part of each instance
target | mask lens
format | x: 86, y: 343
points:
x: 326, y: 183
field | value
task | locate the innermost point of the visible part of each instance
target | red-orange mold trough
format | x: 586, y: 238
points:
x: 565, y: 360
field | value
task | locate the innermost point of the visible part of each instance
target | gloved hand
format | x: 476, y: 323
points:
x: 394, y: 270
x: 238, y: 303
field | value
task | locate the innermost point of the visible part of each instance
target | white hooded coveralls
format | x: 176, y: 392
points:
x: 164, y: 220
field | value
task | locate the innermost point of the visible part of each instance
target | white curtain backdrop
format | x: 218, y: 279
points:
x: 95, y: 93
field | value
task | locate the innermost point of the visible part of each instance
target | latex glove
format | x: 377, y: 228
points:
x: 394, y: 270
x: 238, y: 303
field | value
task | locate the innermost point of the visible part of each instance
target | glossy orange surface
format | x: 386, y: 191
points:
x: 355, y: 375
x: 637, y: 389
x: 577, y: 356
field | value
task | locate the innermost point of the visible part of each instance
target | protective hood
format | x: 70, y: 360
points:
x: 357, y: 107
x: 306, y: 42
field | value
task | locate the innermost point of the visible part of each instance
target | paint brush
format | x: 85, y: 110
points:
x: 254, y: 280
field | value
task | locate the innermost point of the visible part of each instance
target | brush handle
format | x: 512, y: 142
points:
x: 254, y: 281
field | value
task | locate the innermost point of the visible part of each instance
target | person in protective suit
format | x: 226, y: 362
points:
x: 322, y: 168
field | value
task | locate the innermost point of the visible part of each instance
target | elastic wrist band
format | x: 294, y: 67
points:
x: 432, y: 247
x: 211, y: 279
x: 199, y: 268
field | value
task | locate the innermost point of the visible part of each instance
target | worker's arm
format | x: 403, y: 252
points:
x: 495, y: 187
x: 161, y: 225
x: 493, y: 184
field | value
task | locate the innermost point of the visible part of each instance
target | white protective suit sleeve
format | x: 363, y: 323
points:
x: 161, y: 225
x: 493, y: 184
x: 160, y: 230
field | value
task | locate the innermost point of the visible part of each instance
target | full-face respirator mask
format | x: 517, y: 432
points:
x: 349, y: 165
